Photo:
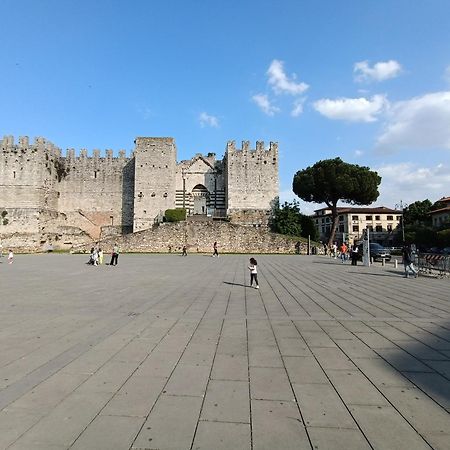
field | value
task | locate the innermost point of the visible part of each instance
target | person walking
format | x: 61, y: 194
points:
x: 215, y: 251
x: 184, y: 253
x: 100, y: 256
x: 354, y: 255
x: 114, y: 255
x: 10, y: 257
x: 408, y: 261
x: 343, y: 251
x: 253, y: 273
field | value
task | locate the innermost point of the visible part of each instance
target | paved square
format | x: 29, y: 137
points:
x: 166, y: 352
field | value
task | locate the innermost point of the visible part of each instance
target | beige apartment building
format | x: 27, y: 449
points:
x: 383, y: 224
x: 441, y: 216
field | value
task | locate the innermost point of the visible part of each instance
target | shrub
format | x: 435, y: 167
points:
x: 175, y: 215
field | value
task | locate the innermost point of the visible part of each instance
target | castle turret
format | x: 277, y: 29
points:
x: 252, y: 181
x: 154, y: 189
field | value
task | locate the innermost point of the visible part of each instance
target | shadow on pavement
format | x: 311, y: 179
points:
x: 425, y: 362
x: 235, y: 284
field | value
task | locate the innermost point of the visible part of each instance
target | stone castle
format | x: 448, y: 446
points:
x: 64, y: 200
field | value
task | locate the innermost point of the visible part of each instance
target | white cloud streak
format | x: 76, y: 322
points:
x: 352, y: 109
x: 281, y: 83
x: 208, y: 120
x: 297, y: 109
x: 264, y: 104
x: 380, y: 71
x: 421, y: 123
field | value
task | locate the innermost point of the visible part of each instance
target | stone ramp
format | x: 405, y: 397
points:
x: 166, y: 352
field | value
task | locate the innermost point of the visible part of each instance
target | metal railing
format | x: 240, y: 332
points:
x: 434, y: 264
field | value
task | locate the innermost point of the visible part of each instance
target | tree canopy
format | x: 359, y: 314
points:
x: 418, y: 213
x: 332, y: 180
x: 288, y: 219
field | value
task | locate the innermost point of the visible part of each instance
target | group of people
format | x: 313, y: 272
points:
x: 345, y: 252
x: 96, y: 256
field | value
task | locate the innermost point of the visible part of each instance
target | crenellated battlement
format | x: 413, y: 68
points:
x: 107, y: 155
x: 41, y: 144
x: 245, y: 148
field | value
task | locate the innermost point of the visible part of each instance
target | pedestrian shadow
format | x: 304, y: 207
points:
x: 235, y: 284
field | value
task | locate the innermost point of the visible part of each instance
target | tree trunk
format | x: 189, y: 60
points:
x: 334, y: 222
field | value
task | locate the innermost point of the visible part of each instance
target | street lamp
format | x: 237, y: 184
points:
x: 402, y: 206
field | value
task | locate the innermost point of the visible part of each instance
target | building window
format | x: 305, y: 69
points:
x: 379, y: 229
x: 399, y: 218
x: 390, y: 218
x: 341, y: 218
x: 389, y: 227
x: 354, y: 217
x: 370, y: 228
x: 356, y: 228
x: 377, y: 218
x: 368, y: 217
x: 341, y: 228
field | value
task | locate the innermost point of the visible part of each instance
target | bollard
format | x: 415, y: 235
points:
x: 395, y: 263
x: 383, y: 262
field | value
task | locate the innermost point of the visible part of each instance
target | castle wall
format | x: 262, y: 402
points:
x: 251, y: 177
x: 96, y: 187
x: 154, y: 187
x: 46, y: 197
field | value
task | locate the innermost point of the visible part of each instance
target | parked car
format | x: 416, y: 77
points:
x: 377, y: 252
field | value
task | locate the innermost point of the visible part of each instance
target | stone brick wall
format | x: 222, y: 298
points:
x: 199, y: 238
x: 251, y: 176
x: 154, y: 189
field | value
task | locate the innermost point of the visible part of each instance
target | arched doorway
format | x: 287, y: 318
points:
x: 200, y: 195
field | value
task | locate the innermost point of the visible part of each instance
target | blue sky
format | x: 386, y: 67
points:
x: 366, y: 80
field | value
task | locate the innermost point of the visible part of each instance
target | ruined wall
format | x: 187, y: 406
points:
x: 154, y: 186
x: 251, y: 177
x: 200, y: 236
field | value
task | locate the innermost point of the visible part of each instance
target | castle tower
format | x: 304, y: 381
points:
x: 154, y: 188
x: 252, y: 182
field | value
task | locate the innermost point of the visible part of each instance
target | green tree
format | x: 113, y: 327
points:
x: 289, y: 220
x: 333, y: 180
x: 309, y: 228
x: 286, y: 219
x: 417, y: 213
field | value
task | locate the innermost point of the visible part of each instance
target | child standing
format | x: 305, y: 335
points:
x: 10, y: 256
x: 253, y: 272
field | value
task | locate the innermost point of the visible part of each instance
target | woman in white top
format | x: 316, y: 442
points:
x: 253, y: 272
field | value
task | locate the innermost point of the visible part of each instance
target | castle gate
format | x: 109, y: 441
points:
x: 200, y: 195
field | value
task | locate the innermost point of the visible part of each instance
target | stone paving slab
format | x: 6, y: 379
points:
x: 164, y: 352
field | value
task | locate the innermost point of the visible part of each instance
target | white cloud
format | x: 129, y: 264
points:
x: 298, y: 107
x: 263, y: 102
x: 207, y: 120
x: 352, y: 109
x: 419, y: 123
x: 409, y: 182
x: 380, y: 71
x: 358, y: 153
x: 280, y: 82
